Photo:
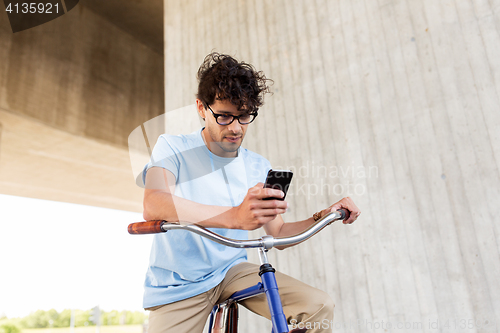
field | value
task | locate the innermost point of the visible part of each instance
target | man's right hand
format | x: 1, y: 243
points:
x: 254, y: 212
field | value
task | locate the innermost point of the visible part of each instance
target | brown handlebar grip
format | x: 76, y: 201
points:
x: 149, y: 227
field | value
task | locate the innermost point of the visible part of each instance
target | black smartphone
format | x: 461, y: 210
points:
x: 280, y: 180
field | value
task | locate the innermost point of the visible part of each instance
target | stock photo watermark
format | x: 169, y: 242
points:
x: 320, y: 179
x: 312, y: 169
x: 456, y: 323
x: 311, y: 178
x: 25, y: 15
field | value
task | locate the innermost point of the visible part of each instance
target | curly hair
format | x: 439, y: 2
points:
x: 222, y: 77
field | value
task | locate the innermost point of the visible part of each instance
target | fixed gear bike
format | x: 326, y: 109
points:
x: 224, y: 316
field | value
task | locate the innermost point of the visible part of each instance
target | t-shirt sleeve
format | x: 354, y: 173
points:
x: 163, y: 156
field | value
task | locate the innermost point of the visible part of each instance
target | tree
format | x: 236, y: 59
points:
x: 82, y: 318
x: 63, y: 319
x: 134, y: 318
x: 9, y: 328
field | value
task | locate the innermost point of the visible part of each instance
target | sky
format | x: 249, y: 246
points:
x: 62, y: 256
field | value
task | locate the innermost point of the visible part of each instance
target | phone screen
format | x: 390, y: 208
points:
x: 280, y: 180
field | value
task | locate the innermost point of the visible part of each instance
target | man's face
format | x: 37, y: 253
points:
x: 222, y: 140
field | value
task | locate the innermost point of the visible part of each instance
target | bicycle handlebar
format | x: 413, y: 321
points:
x: 149, y: 227
x: 267, y: 242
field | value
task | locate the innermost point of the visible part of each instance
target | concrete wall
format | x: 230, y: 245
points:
x: 71, y: 92
x: 394, y: 103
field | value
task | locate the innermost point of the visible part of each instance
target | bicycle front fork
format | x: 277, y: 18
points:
x: 273, y: 297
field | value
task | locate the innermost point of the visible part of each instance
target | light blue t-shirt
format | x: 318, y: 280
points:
x: 183, y: 264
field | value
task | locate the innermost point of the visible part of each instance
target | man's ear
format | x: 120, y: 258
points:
x: 200, y: 108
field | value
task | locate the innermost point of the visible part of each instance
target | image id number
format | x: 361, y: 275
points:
x: 32, y: 8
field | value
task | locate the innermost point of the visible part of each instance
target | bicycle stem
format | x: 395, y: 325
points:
x: 263, y: 256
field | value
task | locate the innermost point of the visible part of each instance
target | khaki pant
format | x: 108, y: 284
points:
x: 303, y: 304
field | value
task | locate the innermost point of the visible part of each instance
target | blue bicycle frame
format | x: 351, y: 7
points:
x: 267, y: 286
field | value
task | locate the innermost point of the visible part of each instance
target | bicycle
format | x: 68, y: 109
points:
x: 224, y: 316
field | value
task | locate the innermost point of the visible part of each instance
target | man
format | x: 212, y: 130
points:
x: 209, y: 179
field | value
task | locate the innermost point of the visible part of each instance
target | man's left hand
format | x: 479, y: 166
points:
x: 346, y: 203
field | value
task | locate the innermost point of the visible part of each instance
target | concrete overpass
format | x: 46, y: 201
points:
x: 71, y: 91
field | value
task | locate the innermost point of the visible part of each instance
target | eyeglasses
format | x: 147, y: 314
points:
x: 224, y: 120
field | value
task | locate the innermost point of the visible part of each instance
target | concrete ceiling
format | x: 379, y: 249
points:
x: 39, y: 161
x: 143, y: 19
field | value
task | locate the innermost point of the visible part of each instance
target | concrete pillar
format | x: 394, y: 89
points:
x: 394, y: 103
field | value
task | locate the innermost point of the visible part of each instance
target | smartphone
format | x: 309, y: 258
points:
x: 280, y: 180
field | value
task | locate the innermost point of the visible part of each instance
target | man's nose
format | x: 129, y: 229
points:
x: 235, y: 126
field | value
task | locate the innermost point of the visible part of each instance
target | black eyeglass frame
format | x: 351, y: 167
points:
x: 216, y: 116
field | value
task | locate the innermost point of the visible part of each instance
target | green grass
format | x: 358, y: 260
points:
x: 88, y: 329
